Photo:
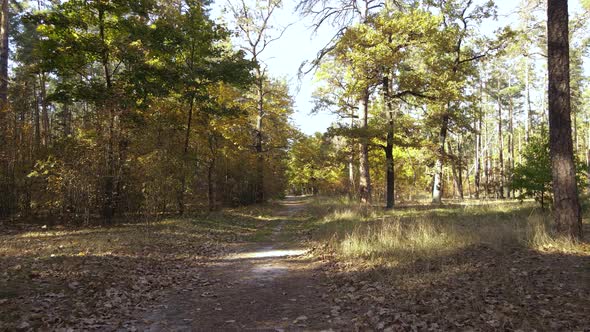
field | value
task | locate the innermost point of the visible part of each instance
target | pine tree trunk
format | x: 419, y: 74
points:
x: 565, y: 192
x: 6, y: 179
x: 4, y: 48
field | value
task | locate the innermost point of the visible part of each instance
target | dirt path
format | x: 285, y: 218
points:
x: 270, y: 286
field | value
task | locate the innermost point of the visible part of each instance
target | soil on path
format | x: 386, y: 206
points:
x: 273, y: 286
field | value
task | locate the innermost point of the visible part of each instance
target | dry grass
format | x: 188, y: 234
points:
x: 408, y: 234
x: 482, y: 267
x: 132, y: 238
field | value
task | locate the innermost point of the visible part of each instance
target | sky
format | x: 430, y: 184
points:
x: 299, y: 43
x: 284, y: 56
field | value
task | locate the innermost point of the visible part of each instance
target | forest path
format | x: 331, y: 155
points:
x: 270, y: 286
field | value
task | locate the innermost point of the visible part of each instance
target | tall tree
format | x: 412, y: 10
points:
x: 255, y: 26
x: 203, y: 60
x: 4, y: 48
x: 566, y: 202
x: 458, y: 19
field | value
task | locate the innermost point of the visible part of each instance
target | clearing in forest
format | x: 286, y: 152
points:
x: 299, y: 264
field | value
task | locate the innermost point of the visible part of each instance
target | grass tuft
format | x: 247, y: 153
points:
x: 411, y: 233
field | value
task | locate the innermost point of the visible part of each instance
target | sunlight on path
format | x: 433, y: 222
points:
x: 269, y: 254
x: 260, y: 286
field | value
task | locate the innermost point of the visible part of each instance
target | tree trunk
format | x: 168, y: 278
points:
x: 37, y: 121
x: 437, y: 187
x: 486, y: 159
x: 187, y: 135
x: 44, y: 111
x: 500, y: 144
x: 477, y: 177
x: 588, y: 152
x: 528, y: 111
x: 390, y: 185
x: 509, y: 190
x: 108, y: 208
x: 6, y: 180
x: 364, y: 175
x: 259, y: 187
x: 460, y: 168
x: 67, y: 120
x: 4, y: 48
x: 211, y: 185
x: 565, y: 192
x: 351, y: 182
x: 456, y: 171
x: 574, y: 118
x: 478, y: 120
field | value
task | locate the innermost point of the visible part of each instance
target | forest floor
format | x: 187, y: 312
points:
x: 299, y: 265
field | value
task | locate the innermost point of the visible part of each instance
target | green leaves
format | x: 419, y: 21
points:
x: 533, y: 176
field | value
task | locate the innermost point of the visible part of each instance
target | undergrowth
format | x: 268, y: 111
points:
x: 409, y: 233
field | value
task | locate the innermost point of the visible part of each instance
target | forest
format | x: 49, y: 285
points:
x: 156, y: 173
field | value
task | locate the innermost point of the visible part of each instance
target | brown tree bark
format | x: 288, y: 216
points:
x: 565, y: 191
x: 4, y: 48
x: 6, y: 180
